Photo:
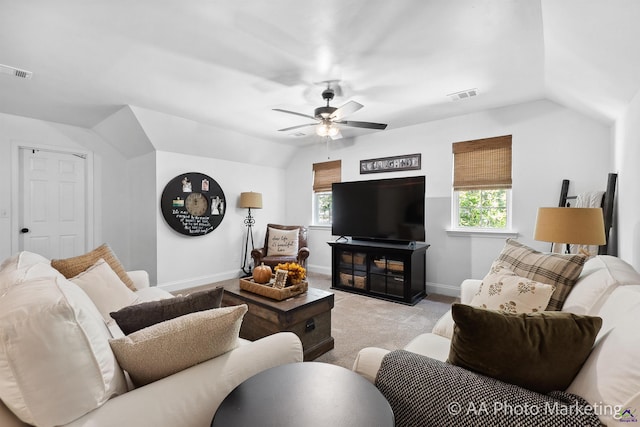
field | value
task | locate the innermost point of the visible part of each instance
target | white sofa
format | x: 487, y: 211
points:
x: 609, y: 288
x: 187, y: 398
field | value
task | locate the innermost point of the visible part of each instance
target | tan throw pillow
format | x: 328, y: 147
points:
x: 504, y: 290
x: 540, y: 351
x: 283, y: 242
x: 71, y: 267
x: 561, y: 271
x: 105, y: 288
x: 168, y: 347
x: 143, y: 315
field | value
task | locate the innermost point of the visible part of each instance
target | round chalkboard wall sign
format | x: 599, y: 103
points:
x: 193, y: 204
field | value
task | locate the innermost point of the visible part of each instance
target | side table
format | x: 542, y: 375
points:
x: 309, y: 394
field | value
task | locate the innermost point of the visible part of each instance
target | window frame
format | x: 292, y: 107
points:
x: 316, y: 211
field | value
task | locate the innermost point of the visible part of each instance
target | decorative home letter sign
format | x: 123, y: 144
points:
x: 193, y: 204
x: 391, y: 164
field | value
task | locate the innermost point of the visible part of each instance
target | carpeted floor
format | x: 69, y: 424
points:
x: 358, y: 321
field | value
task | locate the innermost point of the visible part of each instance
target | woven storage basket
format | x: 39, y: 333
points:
x: 274, y: 293
x: 359, y: 282
x: 350, y: 257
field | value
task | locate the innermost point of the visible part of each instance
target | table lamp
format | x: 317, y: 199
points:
x: 249, y: 200
x: 580, y: 226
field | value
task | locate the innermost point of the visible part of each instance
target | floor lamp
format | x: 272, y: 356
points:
x: 249, y: 200
x: 579, y: 226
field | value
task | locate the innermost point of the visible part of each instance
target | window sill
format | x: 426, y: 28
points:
x: 320, y: 227
x: 495, y: 234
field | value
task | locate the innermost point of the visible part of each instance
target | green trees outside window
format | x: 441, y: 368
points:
x: 482, y: 208
x: 323, y: 208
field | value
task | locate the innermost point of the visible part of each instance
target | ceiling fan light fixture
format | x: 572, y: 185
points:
x: 327, y: 129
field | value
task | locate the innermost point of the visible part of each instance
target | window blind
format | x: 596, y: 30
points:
x: 325, y: 174
x: 482, y: 164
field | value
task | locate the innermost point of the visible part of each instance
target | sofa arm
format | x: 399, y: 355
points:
x: 190, y: 398
x: 468, y: 289
x: 368, y: 362
x: 140, y: 278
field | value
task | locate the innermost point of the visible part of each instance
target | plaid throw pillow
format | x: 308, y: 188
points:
x: 561, y: 271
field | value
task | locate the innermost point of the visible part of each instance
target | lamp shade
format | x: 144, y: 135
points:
x: 582, y: 226
x: 251, y: 200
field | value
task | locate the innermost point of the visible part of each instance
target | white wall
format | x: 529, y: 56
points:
x: 143, y: 208
x: 550, y: 143
x: 185, y: 261
x: 627, y: 159
x: 110, y: 183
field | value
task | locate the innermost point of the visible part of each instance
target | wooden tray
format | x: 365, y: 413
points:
x: 250, y: 285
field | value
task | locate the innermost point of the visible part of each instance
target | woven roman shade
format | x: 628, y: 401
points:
x: 482, y: 164
x: 325, y: 174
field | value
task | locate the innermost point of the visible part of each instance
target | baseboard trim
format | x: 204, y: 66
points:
x: 441, y: 289
x: 319, y: 269
x: 199, y: 281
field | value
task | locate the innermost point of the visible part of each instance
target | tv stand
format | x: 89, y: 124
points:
x: 390, y: 271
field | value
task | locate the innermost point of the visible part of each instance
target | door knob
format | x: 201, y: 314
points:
x: 24, y: 230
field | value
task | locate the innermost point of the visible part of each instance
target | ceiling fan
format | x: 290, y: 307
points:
x: 327, y: 118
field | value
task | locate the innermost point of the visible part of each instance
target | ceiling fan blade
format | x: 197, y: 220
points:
x: 294, y: 113
x: 348, y: 108
x: 297, y: 127
x: 368, y: 125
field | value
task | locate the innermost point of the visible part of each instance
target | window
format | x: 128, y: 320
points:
x: 324, y: 174
x: 482, y: 183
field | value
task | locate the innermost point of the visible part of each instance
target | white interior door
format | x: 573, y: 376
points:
x: 53, y: 203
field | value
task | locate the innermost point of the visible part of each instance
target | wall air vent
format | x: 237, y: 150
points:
x: 16, y: 72
x: 465, y: 94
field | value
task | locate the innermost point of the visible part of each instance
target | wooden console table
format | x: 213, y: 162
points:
x: 308, y: 315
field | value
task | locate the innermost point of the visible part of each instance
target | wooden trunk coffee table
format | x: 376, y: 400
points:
x: 308, y: 315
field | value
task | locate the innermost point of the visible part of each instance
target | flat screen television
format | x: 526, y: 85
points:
x: 385, y: 209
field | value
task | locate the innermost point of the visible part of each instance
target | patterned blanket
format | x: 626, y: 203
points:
x: 428, y: 392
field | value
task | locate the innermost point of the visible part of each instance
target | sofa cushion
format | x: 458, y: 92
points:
x: 105, y: 288
x: 540, y: 351
x: 504, y: 290
x: 139, y: 316
x: 55, y: 360
x: 610, y: 375
x: 561, y: 271
x: 71, y: 267
x: 600, y: 276
x: 168, y: 347
x: 282, y: 242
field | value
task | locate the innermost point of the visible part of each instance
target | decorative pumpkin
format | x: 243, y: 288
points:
x: 262, y: 274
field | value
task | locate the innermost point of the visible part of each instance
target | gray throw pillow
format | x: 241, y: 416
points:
x: 143, y: 315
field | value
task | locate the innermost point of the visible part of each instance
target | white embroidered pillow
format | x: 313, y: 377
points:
x: 504, y: 290
x: 282, y: 242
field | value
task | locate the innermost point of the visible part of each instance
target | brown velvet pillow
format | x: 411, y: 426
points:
x: 71, y: 267
x: 540, y: 351
x: 143, y: 315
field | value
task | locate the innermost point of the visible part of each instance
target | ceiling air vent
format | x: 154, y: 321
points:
x: 16, y: 72
x: 465, y: 94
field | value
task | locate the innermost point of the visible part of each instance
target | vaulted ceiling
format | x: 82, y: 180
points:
x: 229, y: 63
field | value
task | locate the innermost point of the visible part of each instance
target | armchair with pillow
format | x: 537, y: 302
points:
x: 65, y: 360
x: 282, y: 243
x: 583, y: 343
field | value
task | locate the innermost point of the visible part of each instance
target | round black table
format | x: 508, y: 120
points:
x: 305, y: 394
